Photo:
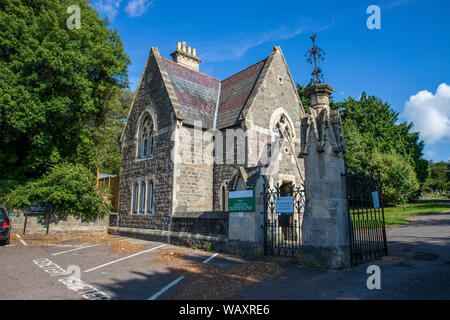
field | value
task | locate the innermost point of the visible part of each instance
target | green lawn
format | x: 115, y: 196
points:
x: 392, y: 221
x: 394, y: 216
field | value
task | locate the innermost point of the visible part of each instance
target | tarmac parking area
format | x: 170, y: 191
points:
x: 108, y: 267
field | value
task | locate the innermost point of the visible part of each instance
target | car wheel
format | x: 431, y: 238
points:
x: 7, y: 241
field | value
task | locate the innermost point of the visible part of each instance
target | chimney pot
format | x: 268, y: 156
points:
x: 186, y: 56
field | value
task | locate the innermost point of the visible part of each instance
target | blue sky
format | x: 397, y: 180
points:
x: 406, y: 62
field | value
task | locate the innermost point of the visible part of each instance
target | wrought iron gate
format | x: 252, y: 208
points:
x: 366, y: 216
x: 283, y: 230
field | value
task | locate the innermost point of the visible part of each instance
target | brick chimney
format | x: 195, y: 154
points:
x: 186, y: 56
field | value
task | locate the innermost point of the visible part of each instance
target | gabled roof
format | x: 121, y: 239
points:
x: 235, y: 92
x: 216, y: 103
x: 197, y: 93
x: 196, y: 96
x: 249, y: 176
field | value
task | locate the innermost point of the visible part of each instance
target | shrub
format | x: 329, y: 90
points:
x: 397, y: 175
x: 71, y: 189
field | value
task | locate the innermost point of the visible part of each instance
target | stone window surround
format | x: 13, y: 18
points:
x: 148, y: 111
x: 275, y: 118
x: 140, y: 181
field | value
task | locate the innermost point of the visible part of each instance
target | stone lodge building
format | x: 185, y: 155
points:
x: 188, y: 135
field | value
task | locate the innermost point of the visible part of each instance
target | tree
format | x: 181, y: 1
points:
x: 397, y: 176
x: 301, y: 93
x: 439, y: 177
x: 55, y: 84
x: 372, y: 125
x: 71, y: 189
x: 371, y: 129
x: 108, y: 135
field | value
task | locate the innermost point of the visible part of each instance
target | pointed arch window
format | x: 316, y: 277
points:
x: 146, y: 138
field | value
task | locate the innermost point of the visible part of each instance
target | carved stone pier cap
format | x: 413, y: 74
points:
x: 319, y: 95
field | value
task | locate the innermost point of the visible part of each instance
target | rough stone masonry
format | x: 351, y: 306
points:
x: 188, y: 134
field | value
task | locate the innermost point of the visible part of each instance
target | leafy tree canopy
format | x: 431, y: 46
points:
x: 55, y: 84
x: 439, y: 178
x: 370, y: 126
x: 397, y: 176
x: 71, y: 189
x: 107, y: 136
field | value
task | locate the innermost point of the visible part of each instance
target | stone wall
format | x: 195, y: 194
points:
x: 58, y: 224
x: 152, y: 99
x: 209, y: 223
x: 276, y: 96
x: 224, y: 169
x: 193, y: 171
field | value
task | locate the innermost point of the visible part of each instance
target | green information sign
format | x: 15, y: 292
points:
x: 242, y: 200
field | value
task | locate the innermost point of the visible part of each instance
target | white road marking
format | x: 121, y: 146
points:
x: 127, y: 257
x: 23, y: 242
x: 61, y: 252
x: 160, y: 292
x: 210, y: 258
x: 73, y: 282
x: 61, y: 245
x: 170, y: 285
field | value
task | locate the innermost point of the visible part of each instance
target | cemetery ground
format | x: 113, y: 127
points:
x: 399, y: 215
x: 36, y: 266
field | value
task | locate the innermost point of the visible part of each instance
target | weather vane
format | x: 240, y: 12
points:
x: 315, y: 54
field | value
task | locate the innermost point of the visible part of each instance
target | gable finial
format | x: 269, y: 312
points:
x: 315, y: 54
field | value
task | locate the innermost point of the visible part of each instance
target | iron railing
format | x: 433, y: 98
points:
x: 283, y: 231
x: 366, y: 217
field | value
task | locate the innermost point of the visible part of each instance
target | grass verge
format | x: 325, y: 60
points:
x: 419, y: 208
x: 397, y: 215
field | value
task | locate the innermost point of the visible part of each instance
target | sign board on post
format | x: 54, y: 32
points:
x: 37, y: 210
x: 376, y: 202
x: 242, y: 200
x: 284, y: 204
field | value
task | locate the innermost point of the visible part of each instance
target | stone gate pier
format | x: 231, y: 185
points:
x: 325, y: 239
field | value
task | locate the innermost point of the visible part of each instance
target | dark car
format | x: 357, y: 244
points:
x: 4, y: 226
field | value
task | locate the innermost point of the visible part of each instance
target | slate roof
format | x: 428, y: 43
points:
x: 250, y: 177
x: 235, y: 92
x: 198, y: 93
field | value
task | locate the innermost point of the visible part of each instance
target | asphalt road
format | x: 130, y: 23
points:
x: 39, y: 271
x: 419, y: 269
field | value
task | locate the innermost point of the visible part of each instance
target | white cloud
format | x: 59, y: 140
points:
x: 109, y: 8
x: 430, y: 113
x: 136, y: 8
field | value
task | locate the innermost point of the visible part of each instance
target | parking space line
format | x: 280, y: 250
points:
x: 210, y: 258
x: 127, y: 257
x: 66, y: 251
x: 20, y: 238
x: 170, y: 285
